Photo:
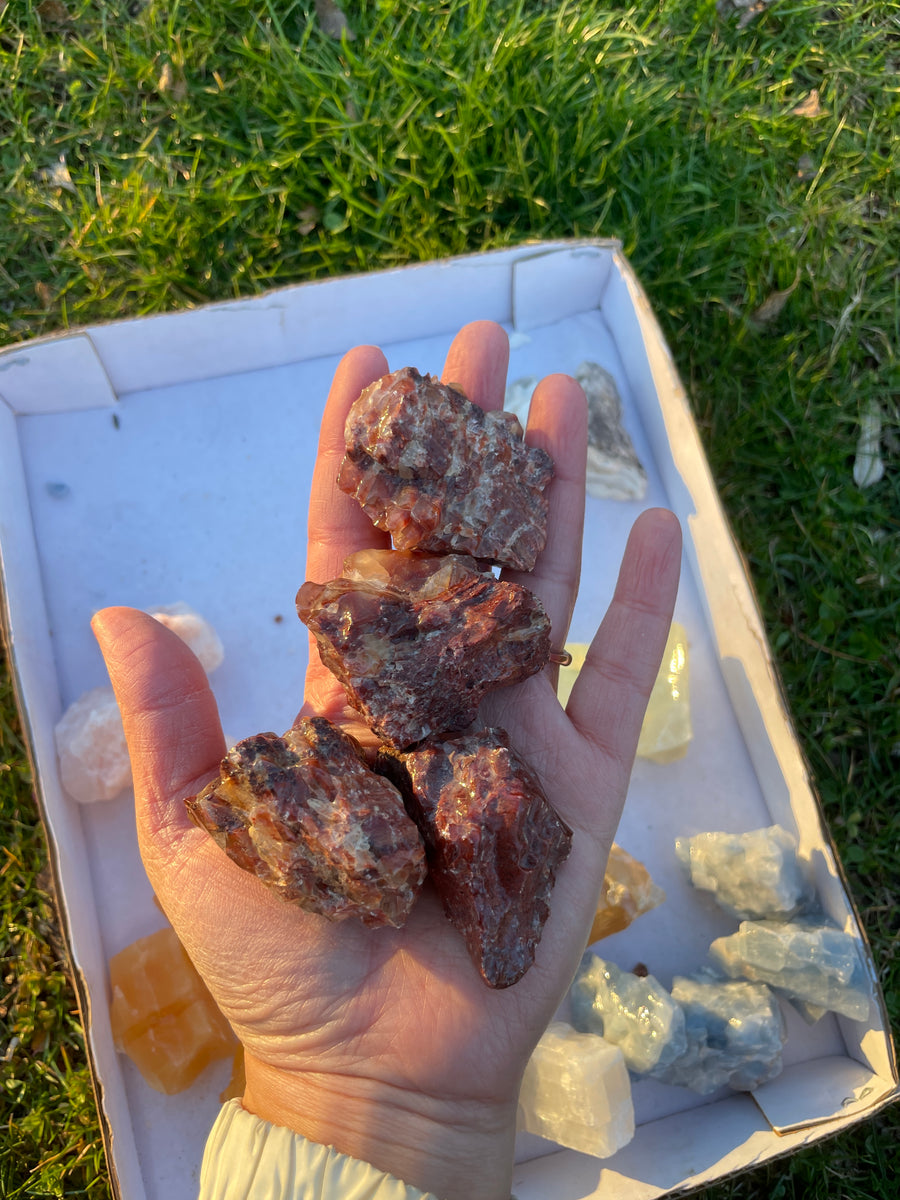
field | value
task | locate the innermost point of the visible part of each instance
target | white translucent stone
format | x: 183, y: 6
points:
x: 735, y: 1032
x: 816, y: 964
x: 614, y: 471
x: 576, y: 1092
x: 90, y: 742
x: 195, y: 631
x: 635, y: 1013
x: 667, y: 729
x: 752, y: 875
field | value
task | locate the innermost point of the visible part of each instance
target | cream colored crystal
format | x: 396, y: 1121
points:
x: 667, y: 728
x: 90, y: 742
x: 576, y: 1092
x: 195, y: 631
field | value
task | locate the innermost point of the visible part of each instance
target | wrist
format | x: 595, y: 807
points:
x: 456, y: 1150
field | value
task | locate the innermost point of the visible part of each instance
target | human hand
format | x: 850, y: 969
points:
x: 386, y: 1043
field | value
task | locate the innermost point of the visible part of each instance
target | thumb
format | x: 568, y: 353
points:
x: 171, y: 722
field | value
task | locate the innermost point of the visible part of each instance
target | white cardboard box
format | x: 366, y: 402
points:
x: 169, y: 458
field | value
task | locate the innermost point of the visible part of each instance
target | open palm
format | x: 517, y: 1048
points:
x: 386, y: 1043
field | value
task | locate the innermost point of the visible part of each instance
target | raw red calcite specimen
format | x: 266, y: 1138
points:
x: 441, y: 475
x: 493, y: 840
x: 417, y: 641
x: 305, y: 814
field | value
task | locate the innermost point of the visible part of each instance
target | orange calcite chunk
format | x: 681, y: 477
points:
x: 628, y: 892
x: 162, y: 1014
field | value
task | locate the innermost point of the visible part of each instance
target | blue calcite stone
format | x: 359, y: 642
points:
x: 735, y: 1032
x: 754, y: 876
x: 635, y: 1013
x: 811, y: 962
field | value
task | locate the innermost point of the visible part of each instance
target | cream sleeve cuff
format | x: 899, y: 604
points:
x: 246, y: 1158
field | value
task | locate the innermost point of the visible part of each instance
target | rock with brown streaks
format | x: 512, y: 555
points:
x: 442, y: 475
x: 305, y: 815
x: 418, y: 641
x: 494, y: 844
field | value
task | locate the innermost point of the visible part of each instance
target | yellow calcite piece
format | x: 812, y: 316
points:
x: 628, y: 892
x: 667, y: 730
x: 162, y: 1015
x: 568, y: 675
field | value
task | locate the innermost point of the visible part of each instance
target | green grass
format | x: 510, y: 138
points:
x: 219, y: 149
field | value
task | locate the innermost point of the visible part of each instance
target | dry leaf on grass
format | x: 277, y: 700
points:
x: 308, y: 219
x: 333, y: 21
x: 172, y: 82
x: 53, y: 13
x: 747, y: 8
x: 774, y: 303
x: 44, y: 293
x: 810, y: 107
x: 58, y: 176
x: 868, y: 466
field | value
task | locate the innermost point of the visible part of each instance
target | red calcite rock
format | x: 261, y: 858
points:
x: 417, y: 641
x: 493, y: 840
x: 305, y: 814
x: 441, y: 475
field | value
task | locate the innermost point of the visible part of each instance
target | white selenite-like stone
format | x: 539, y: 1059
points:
x: 814, y: 963
x: 576, y: 1092
x: 614, y: 471
x: 195, y: 631
x: 635, y: 1013
x: 735, y: 1032
x: 754, y: 875
x: 90, y: 742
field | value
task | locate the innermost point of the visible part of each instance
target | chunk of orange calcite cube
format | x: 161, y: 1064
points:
x: 162, y: 1014
x: 628, y: 892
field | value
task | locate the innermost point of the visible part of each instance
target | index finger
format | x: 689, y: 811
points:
x: 337, y: 525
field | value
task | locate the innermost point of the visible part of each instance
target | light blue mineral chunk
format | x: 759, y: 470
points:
x: 754, y: 875
x: 636, y: 1014
x: 735, y: 1032
x: 815, y: 963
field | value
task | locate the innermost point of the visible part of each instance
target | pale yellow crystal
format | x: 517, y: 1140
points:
x: 568, y: 675
x: 667, y: 729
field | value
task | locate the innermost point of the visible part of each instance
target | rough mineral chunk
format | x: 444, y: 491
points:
x: 735, y: 1033
x: 752, y: 875
x: 162, y: 1015
x: 305, y: 814
x: 816, y: 964
x: 418, y: 641
x: 441, y: 475
x: 633, y: 1012
x: 576, y: 1091
x: 195, y: 631
x: 614, y: 471
x: 494, y: 844
x: 628, y: 892
x: 90, y: 742
x: 667, y: 731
